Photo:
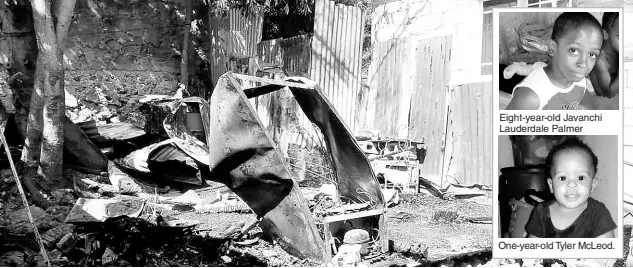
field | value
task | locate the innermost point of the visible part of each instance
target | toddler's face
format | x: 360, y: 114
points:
x: 614, y: 35
x: 572, y: 178
x: 576, y: 53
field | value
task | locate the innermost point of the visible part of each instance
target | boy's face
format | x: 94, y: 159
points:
x: 613, y: 35
x: 572, y: 178
x: 575, y: 54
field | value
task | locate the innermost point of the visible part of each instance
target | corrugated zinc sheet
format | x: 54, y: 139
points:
x: 429, y: 101
x: 336, y: 56
x: 386, y: 107
x: 279, y: 110
x: 217, y: 53
x: 250, y: 26
x: 410, y: 83
x: 292, y: 54
x: 232, y: 33
x: 331, y: 57
x: 487, y: 44
x: 469, y: 134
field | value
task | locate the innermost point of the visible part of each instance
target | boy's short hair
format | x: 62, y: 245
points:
x: 570, y: 144
x: 569, y: 21
x: 608, y: 18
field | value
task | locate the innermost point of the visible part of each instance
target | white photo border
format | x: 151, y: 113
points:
x: 593, y: 128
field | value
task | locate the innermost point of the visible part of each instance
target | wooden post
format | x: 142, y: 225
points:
x: 382, y: 232
x: 328, y: 241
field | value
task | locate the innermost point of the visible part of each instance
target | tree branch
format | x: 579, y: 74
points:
x: 63, y: 10
x: 45, y: 32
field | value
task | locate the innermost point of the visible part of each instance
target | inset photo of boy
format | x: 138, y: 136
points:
x: 558, y: 60
x: 558, y: 186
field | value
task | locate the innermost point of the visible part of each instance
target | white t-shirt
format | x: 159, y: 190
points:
x: 552, y: 97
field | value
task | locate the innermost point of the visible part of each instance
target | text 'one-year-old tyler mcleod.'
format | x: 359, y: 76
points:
x: 558, y: 245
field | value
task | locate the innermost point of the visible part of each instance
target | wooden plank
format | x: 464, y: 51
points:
x: 328, y: 241
x: 258, y: 91
x: 382, y: 231
x: 120, y: 131
x: 98, y: 210
x: 354, y: 215
x: 271, y: 81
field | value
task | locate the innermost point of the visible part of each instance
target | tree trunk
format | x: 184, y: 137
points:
x: 50, y: 40
x: 184, y: 60
x: 33, y: 139
x: 51, y: 161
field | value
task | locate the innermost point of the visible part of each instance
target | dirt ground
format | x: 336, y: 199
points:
x: 425, y: 230
x: 417, y: 237
x: 440, y: 229
x: 409, y: 221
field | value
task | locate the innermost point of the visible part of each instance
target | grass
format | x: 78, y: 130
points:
x: 445, y: 216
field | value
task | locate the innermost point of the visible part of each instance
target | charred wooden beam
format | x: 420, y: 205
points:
x: 263, y: 90
x: 271, y: 81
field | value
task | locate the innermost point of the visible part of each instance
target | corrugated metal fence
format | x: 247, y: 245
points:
x: 469, y: 134
x: 487, y: 44
x: 409, y: 78
x: 279, y: 111
x: 331, y: 57
x: 250, y: 26
x: 412, y: 101
x: 336, y: 56
x: 233, y: 34
x: 292, y: 54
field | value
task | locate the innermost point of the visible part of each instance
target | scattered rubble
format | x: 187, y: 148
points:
x: 112, y: 218
x: 16, y: 221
